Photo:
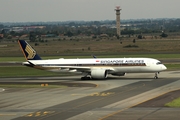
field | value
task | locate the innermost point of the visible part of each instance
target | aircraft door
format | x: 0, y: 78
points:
x: 147, y: 63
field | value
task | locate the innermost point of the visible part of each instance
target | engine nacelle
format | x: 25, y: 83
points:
x: 118, y: 74
x: 99, y: 74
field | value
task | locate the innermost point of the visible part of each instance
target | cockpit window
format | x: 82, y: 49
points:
x: 158, y: 63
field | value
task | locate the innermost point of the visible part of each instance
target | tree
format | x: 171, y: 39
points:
x: 32, y: 36
x: 134, y: 40
x: 140, y: 37
x: 69, y: 34
x: 3, y: 31
x: 12, y: 33
x: 164, y: 35
x: 1, y: 26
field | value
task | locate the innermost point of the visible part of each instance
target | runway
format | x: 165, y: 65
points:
x: 113, y: 98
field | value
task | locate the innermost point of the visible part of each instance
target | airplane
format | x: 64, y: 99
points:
x: 93, y: 68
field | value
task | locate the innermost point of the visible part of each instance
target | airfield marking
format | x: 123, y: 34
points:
x: 101, y: 98
x: 128, y: 107
x: 39, y: 114
x: 103, y: 94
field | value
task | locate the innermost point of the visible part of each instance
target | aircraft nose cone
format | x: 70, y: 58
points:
x: 164, y: 67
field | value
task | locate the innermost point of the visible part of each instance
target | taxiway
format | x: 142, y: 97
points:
x: 113, y: 98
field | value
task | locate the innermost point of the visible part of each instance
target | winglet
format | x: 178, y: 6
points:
x: 28, y: 51
x: 94, y: 56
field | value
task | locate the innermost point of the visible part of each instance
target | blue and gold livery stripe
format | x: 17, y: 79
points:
x: 30, y: 51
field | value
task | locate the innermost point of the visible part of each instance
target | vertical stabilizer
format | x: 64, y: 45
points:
x: 28, y: 51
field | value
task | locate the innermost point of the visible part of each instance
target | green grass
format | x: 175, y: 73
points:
x: 23, y: 71
x: 173, y: 66
x: 10, y: 59
x: 157, y: 56
x: 101, y: 47
x: 174, y: 103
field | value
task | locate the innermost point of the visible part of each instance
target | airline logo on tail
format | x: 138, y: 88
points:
x: 31, y: 52
x: 28, y: 51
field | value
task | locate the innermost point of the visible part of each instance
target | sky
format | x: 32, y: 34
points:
x: 86, y: 10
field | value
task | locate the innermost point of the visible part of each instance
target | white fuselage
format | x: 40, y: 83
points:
x: 113, y: 65
x: 91, y: 68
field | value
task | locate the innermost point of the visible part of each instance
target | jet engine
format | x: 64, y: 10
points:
x: 99, y: 74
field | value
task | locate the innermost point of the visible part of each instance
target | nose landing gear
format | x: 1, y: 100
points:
x: 156, y: 75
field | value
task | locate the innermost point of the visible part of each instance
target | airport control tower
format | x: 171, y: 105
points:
x: 118, y: 21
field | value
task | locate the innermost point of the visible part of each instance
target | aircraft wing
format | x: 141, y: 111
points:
x: 77, y: 68
x: 83, y: 69
x: 86, y: 69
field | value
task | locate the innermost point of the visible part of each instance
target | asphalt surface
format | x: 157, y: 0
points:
x: 114, y: 98
x: 75, y: 107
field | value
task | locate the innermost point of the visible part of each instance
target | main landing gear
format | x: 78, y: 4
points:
x: 85, y: 78
x: 156, y: 75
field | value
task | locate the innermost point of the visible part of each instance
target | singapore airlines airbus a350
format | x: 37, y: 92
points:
x: 92, y: 68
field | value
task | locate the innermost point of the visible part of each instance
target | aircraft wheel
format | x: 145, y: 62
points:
x: 156, y: 75
x: 85, y: 78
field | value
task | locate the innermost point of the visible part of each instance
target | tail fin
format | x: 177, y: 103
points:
x: 28, y: 51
